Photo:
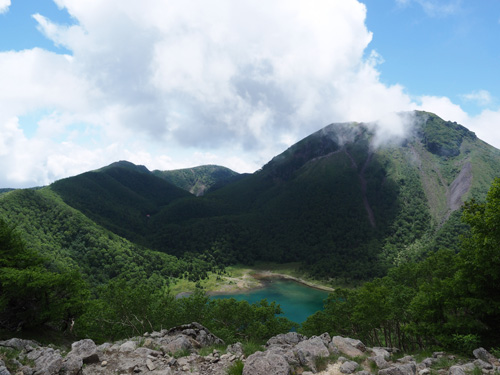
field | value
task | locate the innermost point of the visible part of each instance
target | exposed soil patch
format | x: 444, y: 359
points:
x: 459, y: 187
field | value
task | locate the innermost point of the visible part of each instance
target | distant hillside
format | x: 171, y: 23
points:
x: 199, y: 180
x: 121, y: 197
x: 68, y: 239
x: 336, y: 201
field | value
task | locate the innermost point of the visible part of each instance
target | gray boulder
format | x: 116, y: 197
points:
x: 348, y: 346
x: 197, y: 332
x: 86, y: 350
x: 308, y: 350
x: 20, y: 344
x: 428, y: 362
x: 266, y: 363
x: 72, y: 365
x: 348, y: 367
x: 47, y: 361
x: 3, y: 369
x: 380, y: 361
x: 236, y: 349
x: 406, y: 359
x: 286, y: 339
x: 404, y: 369
x: 175, y: 344
x: 484, y: 355
x: 456, y: 370
x: 128, y: 346
x: 383, y: 352
x: 286, y: 352
x: 483, y: 364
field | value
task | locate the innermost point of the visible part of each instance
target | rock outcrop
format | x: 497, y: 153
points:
x: 178, y: 351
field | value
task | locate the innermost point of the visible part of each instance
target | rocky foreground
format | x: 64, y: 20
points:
x: 180, y: 351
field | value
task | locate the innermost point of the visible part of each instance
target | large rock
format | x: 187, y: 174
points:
x: 348, y: 346
x: 266, y: 363
x: 20, y: 344
x: 377, y: 351
x: 176, y: 344
x: 197, y: 332
x: 47, y: 361
x: 86, y: 350
x: 308, y: 351
x: 128, y: 346
x: 72, y: 365
x: 348, y: 367
x: 3, y: 369
x: 236, y: 349
x: 286, y: 339
x: 456, y: 370
x: 380, y: 362
x: 484, y: 355
x: 405, y: 369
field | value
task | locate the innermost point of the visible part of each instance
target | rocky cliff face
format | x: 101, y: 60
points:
x: 178, y: 351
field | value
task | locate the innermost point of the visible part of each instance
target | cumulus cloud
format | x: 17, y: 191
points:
x: 435, y: 8
x: 4, y: 6
x: 481, y: 97
x: 172, y: 84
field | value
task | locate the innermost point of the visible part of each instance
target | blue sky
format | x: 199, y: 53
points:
x: 173, y: 84
x: 451, y: 49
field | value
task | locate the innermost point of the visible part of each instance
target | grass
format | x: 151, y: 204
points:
x: 476, y: 371
x: 236, y: 368
x: 11, y: 356
x: 443, y: 362
x: 250, y: 347
x: 235, y: 273
x: 181, y: 353
x: 206, y: 350
x: 321, y: 363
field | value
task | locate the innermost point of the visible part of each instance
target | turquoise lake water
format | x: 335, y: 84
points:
x: 296, y: 300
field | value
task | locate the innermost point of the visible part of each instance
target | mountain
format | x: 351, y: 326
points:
x: 199, y: 180
x: 345, y: 201
x: 339, y: 203
x: 121, y: 197
x: 67, y: 239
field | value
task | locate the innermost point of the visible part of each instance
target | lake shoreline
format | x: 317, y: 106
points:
x: 270, y: 274
x: 253, y: 280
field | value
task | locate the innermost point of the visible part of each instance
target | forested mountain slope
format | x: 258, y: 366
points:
x: 339, y: 201
x: 67, y: 239
x: 199, y: 180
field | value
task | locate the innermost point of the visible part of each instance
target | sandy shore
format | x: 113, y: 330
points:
x: 253, y: 279
x: 271, y: 274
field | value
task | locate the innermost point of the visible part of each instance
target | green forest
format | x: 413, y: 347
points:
x: 449, y: 300
x: 407, y: 235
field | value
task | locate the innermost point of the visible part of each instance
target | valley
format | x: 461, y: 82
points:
x: 401, y: 237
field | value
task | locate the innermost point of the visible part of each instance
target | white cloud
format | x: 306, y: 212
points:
x: 435, y: 8
x: 4, y: 6
x: 481, y: 97
x: 486, y: 125
x: 172, y: 84
x: 443, y: 107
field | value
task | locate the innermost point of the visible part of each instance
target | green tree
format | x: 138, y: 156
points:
x: 30, y: 294
x: 479, y: 269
